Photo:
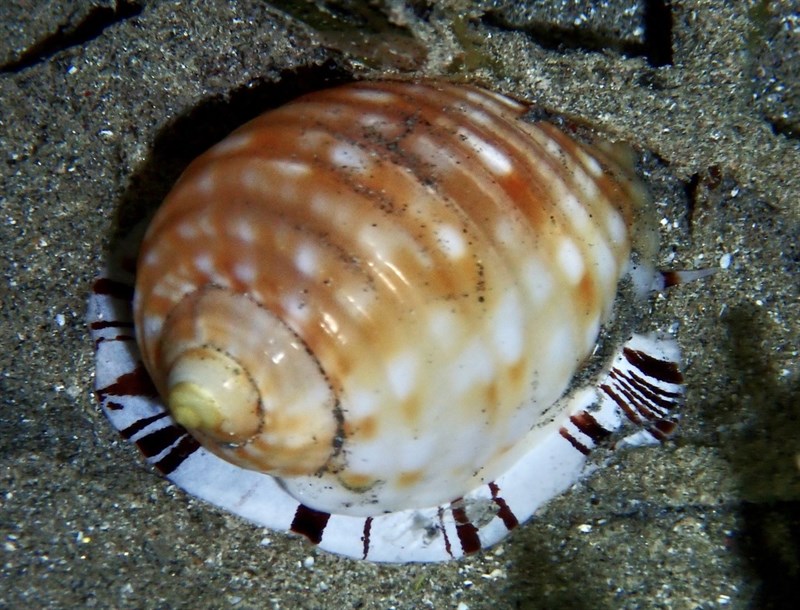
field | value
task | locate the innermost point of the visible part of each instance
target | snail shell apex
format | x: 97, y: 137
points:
x: 434, y: 268
x: 377, y: 295
x: 273, y: 411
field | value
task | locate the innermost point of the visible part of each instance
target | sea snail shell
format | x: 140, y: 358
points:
x: 374, y: 292
x: 377, y: 294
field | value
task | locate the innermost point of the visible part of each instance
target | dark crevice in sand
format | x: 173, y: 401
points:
x: 655, y: 47
x: 68, y: 36
x: 785, y: 128
x: 658, y: 33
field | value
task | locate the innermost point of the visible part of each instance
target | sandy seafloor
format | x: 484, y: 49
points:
x: 102, y: 103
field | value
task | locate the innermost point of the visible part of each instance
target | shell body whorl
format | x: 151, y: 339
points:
x: 392, y: 282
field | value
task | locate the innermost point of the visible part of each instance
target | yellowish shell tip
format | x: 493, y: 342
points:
x: 209, y: 392
x: 193, y: 406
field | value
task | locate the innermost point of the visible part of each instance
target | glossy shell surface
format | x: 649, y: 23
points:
x: 374, y: 297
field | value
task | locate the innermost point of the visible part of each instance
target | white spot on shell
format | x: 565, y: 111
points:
x: 552, y: 147
x: 451, y: 241
x: 322, y: 205
x: 431, y: 153
x: 479, y: 117
x: 479, y: 97
x: 187, y: 230
x: 260, y: 176
x: 496, y: 160
x: 172, y: 287
x: 243, y: 230
x: 508, y: 328
x: 206, y: 226
x: 585, y: 183
x: 335, y: 207
x: 371, y: 95
x: 361, y: 403
x: 538, y: 280
x: 349, y: 157
x: 205, y: 263
x: 305, y: 259
x: 576, y: 213
x: 402, y: 372
x: 204, y: 183
x: 591, y: 164
x: 291, y: 168
x: 506, y: 231
x: 443, y: 325
x: 312, y: 140
x: 473, y: 365
x: 570, y: 260
x: 296, y: 308
x: 372, y: 120
x: 233, y: 143
x: 245, y: 272
x: 151, y: 327
x: 381, y: 245
x: 152, y: 258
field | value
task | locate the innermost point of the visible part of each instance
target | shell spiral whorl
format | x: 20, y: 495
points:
x: 374, y: 292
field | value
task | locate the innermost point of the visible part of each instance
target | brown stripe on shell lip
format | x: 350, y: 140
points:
x: 101, y: 324
x: 113, y: 339
x: 154, y: 443
x: 140, y: 424
x: 467, y: 532
x: 587, y: 424
x: 113, y: 288
x: 653, y: 367
x: 629, y: 413
x: 135, y: 383
x: 658, y: 400
x: 574, y: 442
x: 309, y: 522
x: 448, y: 549
x: 633, y: 399
x: 505, y: 513
x: 365, y: 536
x: 186, y: 447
